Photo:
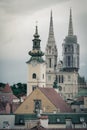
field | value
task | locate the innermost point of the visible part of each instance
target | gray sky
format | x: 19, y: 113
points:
x: 17, y: 25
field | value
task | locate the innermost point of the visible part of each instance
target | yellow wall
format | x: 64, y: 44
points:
x: 39, y: 69
x: 27, y: 106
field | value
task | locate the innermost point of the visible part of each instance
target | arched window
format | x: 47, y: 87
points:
x: 49, y: 62
x: 34, y: 76
x: 68, y: 60
x: 62, y: 78
x: 59, y: 79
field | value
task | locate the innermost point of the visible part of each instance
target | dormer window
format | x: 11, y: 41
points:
x: 37, y: 105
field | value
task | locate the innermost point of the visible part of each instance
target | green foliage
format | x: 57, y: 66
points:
x: 19, y: 89
x: 2, y: 85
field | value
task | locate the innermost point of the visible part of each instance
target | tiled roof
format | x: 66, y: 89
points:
x: 56, y: 99
x: 7, y: 89
x: 6, y: 94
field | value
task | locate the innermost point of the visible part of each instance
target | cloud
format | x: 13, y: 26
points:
x: 22, y: 6
x: 17, y: 21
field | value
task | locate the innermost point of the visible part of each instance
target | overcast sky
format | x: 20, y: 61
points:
x: 17, y: 26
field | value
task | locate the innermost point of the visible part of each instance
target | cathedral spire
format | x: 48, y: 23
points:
x: 70, y: 30
x: 51, y: 31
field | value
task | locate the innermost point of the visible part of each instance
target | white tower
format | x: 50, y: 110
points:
x: 51, y: 56
x: 36, y: 66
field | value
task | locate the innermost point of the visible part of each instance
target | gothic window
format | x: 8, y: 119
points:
x: 65, y: 49
x: 62, y: 78
x: 49, y: 62
x: 59, y: 78
x: 34, y: 76
x: 43, y: 76
x: 68, y: 60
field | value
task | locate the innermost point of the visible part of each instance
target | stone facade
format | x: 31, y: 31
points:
x: 51, y: 56
x: 68, y: 84
x: 65, y: 71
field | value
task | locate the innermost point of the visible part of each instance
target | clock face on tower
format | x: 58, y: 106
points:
x: 34, y: 63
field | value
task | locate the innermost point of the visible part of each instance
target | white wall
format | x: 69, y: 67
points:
x: 9, y: 118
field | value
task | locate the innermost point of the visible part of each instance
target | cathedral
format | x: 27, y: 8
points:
x: 61, y: 75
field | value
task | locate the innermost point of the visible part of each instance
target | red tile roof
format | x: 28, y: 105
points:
x: 7, y: 89
x: 7, y: 94
x: 56, y: 99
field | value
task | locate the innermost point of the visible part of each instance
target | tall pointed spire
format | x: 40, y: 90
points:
x: 36, y: 35
x: 70, y: 30
x: 51, y: 31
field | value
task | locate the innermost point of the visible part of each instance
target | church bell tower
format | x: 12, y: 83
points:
x: 36, y: 66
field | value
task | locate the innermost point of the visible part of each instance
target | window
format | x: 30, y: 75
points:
x: 33, y: 88
x: 68, y: 60
x: 34, y: 76
x: 35, y: 43
x: 37, y: 105
x: 50, y: 62
x: 65, y: 49
x: 43, y: 76
x: 60, y: 79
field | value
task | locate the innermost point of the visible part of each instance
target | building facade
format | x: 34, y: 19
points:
x: 65, y: 70
x: 43, y: 73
